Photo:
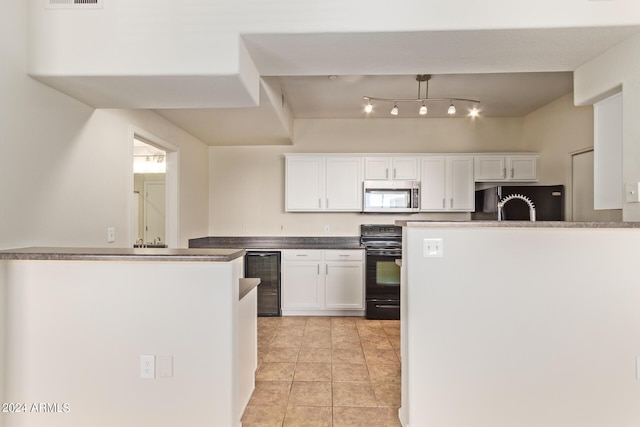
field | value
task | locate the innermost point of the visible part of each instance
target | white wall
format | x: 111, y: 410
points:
x: 556, y: 130
x: 522, y: 327
x: 603, y: 76
x: 64, y: 166
x: 77, y: 330
x: 247, y: 183
x: 3, y: 328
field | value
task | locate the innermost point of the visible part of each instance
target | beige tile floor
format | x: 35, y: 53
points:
x: 326, y: 371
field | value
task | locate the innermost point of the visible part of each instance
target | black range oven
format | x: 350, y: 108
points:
x: 383, y: 245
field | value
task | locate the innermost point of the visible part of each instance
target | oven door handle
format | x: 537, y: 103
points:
x: 382, y: 252
x: 387, y: 306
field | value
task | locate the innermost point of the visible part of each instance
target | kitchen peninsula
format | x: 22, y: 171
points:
x: 520, y: 324
x: 77, y: 322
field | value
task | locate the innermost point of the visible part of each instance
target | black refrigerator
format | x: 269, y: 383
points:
x: 265, y: 266
x: 548, y: 201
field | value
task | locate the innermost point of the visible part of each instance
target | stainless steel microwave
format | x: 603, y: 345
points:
x: 391, y: 196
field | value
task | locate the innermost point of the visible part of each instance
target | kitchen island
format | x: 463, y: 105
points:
x: 520, y: 324
x: 76, y: 322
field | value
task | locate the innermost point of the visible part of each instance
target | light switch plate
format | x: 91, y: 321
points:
x: 165, y: 366
x: 432, y: 248
x: 111, y: 234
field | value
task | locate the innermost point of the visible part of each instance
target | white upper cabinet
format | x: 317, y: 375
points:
x: 400, y: 168
x: 304, y: 183
x: 514, y: 167
x: 447, y: 184
x: 343, y: 177
x: 318, y: 183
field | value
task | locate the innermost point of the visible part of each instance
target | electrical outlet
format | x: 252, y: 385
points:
x: 432, y: 248
x: 327, y: 228
x: 111, y: 234
x: 245, y: 228
x: 147, y: 366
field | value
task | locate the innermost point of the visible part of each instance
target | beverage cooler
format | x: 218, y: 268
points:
x: 266, y: 267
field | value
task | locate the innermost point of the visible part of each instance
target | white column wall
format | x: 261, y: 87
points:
x: 3, y: 324
x: 618, y: 68
x: 77, y: 329
x: 522, y: 327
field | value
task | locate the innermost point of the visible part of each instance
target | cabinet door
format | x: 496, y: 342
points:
x: 344, y: 285
x: 343, y: 184
x: 432, y: 184
x: 461, y: 186
x: 304, y: 183
x: 301, y: 285
x: 405, y: 168
x: 376, y: 168
x: 523, y: 168
x: 490, y: 168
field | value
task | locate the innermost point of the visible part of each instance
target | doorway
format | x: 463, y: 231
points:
x: 582, y: 191
x: 154, y: 191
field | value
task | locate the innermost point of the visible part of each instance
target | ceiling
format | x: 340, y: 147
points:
x: 500, y: 94
x: 511, y: 72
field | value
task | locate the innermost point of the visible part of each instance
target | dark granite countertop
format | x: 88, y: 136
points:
x: 277, y: 242
x: 519, y: 224
x: 122, y: 254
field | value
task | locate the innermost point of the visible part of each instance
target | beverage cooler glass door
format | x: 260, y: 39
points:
x: 266, y: 266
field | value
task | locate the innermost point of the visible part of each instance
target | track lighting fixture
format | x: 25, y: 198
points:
x: 423, y: 100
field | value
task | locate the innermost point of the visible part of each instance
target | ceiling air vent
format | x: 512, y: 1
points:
x: 73, y: 4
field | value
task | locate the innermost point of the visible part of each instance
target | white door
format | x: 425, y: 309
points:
x: 305, y: 189
x: 405, y: 168
x: 301, y: 285
x: 582, y: 186
x: 344, y: 285
x: 376, y: 168
x: 154, y: 212
x: 461, y: 184
x: 433, y: 184
x: 343, y: 184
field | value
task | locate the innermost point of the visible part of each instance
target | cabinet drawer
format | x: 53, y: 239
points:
x: 302, y: 255
x: 343, y: 255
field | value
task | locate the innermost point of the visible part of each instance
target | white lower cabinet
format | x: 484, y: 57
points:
x: 322, y: 282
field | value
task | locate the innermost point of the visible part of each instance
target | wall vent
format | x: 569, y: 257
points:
x: 73, y: 4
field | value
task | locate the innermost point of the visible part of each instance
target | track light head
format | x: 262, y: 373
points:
x: 452, y: 109
x: 423, y: 110
x: 368, y: 108
x: 394, y: 110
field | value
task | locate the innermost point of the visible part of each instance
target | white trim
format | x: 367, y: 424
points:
x: 568, y: 202
x: 172, y: 184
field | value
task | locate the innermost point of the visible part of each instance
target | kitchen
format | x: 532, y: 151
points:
x: 74, y: 189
